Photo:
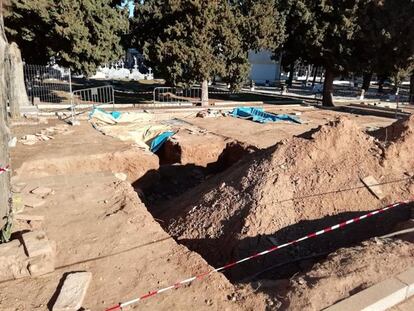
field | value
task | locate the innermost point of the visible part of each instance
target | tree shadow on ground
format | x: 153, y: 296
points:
x: 173, y: 179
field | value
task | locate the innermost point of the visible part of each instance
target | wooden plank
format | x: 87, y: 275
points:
x: 373, y: 186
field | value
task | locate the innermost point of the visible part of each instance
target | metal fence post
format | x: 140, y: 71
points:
x: 72, y: 106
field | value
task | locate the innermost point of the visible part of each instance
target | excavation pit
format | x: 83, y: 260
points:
x: 226, y: 208
x: 279, y: 194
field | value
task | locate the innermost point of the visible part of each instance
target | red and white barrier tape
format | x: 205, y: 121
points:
x: 4, y: 169
x: 268, y: 251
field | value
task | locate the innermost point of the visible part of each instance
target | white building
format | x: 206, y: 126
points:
x: 262, y: 68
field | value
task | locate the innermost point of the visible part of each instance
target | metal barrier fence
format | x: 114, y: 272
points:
x: 174, y: 96
x: 47, y: 84
x: 96, y: 96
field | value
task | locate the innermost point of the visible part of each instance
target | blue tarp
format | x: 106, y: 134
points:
x: 158, y: 141
x: 259, y: 115
x: 113, y: 114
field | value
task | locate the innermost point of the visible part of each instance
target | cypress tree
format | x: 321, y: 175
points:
x: 192, y: 41
x: 79, y: 34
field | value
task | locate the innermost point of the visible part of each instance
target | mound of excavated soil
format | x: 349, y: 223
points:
x: 347, y: 272
x: 300, y: 184
x: 399, y: 139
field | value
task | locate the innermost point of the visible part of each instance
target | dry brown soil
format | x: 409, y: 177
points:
x: 100, y: 224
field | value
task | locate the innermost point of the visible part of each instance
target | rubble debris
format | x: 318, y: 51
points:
x: 12, y: 142
x: 36, y: 243
x: 33, y: 201
x: 121, y: 176
x: 41, y: 252
x: 13, y: 261
x: 44, y: 134
x: 210, y: 113
x: 18, y: 187
x: 73, y: 292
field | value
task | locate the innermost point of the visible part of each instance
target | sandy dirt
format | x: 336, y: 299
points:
x: 348, y: 271
x: 266, y: 135
x: 105, y: 230
x: 100, y: 224
x: 81, y: 148
x: 270, y: 196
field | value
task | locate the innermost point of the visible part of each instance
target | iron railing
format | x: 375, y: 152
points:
x: 175, y: 96
x: 95, y: 96
x: 47, y: 83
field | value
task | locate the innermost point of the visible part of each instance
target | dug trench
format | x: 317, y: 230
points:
x: 230, y: 200
x: 250, y: 200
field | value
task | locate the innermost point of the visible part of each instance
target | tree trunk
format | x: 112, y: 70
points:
x: 5, y: 193
x: 314, y: 75
x: 204, y: 93
x: 365, y: 84
x: 381, y: 84
x: 16, y: 90
x: 291, y: 72
x: 327, y: 99
x: 412, y: 89
x: 307, y: 74
x: 366, y: 81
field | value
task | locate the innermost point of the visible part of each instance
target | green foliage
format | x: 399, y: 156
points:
x: 188, y: 41
x: 78, y: 34
x: 262, y: 25
x: 385, y: 44
x: 300, y: 25
x: 6, y: 230
x: 359, y: 35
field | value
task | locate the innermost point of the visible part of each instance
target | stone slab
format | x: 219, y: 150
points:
x: 13, y: 261
x: 372, y: 184
x: 42, y: 191
x: 375, y: 298
x: 32, y: 201
x: 41, y: 265
x: 407, y: 277
x: 36, y: 243
x: 73, y: 292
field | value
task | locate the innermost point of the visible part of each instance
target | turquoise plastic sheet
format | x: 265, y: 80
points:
x: 158, y: 141
x: 261, y: 116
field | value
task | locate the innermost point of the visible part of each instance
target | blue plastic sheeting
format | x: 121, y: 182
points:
x: 116, y: 114
x: 113, y: 114
x: 259, y: 115
x: 158, y: 141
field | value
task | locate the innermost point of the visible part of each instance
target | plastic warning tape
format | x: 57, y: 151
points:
x: 4, y: 169
x: 265, y: 252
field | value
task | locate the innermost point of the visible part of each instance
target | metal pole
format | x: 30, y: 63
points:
x: 113, y: 98
x: 72, y: 106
